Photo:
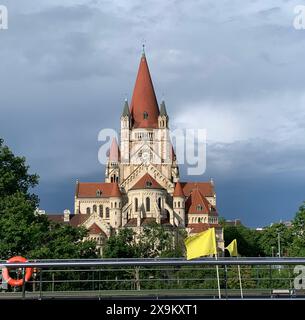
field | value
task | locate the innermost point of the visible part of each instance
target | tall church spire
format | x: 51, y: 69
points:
x: 144, y: 106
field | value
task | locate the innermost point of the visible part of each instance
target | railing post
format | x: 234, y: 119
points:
x: 270, y: 280
x: 23, y: 283
x: 226, y: 280
x: 40, y: 284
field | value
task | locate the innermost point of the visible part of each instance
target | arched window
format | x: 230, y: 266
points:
x: 145, y: 115
x: 136, y: 204
x: 98, y: 193
x: 94, y: 208
x: 101, y: 210
x: 159, y: 203
x: 179, y: 204
x: 115, y: 204
x: 107, y: 213
x: 88, y: 210
x: 199, y: 207
x: 147, y: 204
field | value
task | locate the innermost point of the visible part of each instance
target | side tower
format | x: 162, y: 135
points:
x: 115, y: 207
x: 125, y: 134
x: 113, y: 164
x: 179, y: 205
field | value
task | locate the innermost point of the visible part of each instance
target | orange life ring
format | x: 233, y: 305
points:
x: 14, y: 282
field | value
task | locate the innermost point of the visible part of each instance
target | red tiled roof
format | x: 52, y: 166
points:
x: 75, y: 219
x: 114, y: 153
x: 178, y: 192
x: 57, y: 217
x: 198, y: 227
x: 147, y: 182
x: 95, y: 229
x: 205, y: 188
x: 196, y: 199
x: 89, y: 189
x: 131, y: 222
x: 144, y: 99
x: 79, y: 219
x: 115, y: 192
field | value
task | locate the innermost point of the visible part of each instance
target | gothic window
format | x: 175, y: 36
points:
x: 88, y: 210
x: 136, y: 204
x: 159, y: 203
x: 101, y: 211
x: 94, y: 208
x: 147, y: 204
x: 107, y: 213
x: 145, y: 115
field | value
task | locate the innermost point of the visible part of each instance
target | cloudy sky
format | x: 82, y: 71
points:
x: 233, y: 67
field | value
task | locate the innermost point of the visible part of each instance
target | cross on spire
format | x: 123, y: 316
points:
x: 143, y: 50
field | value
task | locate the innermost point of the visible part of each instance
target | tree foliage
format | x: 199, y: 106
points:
x: 297, y: 247
x: 247, y: 240
x: 154, y: 241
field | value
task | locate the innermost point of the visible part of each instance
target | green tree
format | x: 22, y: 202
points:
x: 247, y: 240
x: 268, y: 240
x: 297, y: 246
x: 14, y: 176
x: 159, y: 241
x: 121, y: 245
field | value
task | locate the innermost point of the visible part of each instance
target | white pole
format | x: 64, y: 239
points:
x: 240, y: 285
x: 218, y: 282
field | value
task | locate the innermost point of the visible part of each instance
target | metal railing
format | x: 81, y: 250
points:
x: 156, y: 278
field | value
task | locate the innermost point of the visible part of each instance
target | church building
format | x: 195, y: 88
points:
x: 142, y: 183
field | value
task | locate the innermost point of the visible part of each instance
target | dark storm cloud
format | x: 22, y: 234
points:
x: 235, y: 68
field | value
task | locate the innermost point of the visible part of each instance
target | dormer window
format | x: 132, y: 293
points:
x: 199, y: 207
x: 148, y: 184
x: 98, y: 193
x: 145, y: 115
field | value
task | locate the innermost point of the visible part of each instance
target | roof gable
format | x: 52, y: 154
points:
x: 147, y: 182
x: 197, y: 203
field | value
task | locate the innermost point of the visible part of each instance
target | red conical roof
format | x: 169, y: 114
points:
x: 115, y: 192
x: 144, y: 99
x: 178, y: 192
x: 114, y: 153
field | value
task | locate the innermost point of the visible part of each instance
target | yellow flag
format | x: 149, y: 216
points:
x: 201, y: 244
x: 232, y: 248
